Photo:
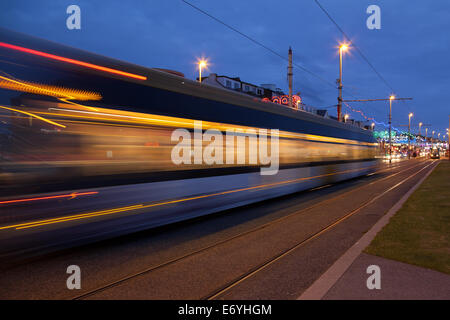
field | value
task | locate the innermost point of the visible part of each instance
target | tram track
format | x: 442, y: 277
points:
x: 268, y: 262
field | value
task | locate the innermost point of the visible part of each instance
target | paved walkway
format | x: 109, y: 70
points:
x: 347, y: 277
x: 398, y: 281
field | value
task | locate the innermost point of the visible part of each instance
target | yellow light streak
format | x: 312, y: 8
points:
x: 34, y: 116
x: 49, y: 90
x: 189, y: 124
x: 79, y: 105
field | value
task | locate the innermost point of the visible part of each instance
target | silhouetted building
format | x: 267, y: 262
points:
x: 236, y: 84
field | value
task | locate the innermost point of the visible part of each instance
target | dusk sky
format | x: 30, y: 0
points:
x: 411, y: 50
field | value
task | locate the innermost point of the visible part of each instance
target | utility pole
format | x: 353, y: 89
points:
x: 426, y: 133
x: 392, y: 97
x: 290, y: 77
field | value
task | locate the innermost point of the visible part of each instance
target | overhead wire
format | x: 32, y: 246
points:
x: 259, y: 44
x: 354, y: 46
x: 283, y: 57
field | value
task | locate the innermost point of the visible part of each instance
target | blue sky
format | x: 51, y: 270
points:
x: 411, y: 50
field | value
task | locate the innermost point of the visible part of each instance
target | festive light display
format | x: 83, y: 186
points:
x: 284, y: 100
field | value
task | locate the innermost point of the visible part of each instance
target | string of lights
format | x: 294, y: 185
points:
x: 371, y: 118
x: 358, y: 111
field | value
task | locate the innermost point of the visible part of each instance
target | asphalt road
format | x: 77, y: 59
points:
x: 271, y: 250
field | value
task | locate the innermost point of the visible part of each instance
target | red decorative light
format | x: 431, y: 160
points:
x: 284, y: 100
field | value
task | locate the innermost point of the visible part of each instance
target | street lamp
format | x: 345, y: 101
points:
x: 201, y: 64
x: 345, y: 118
x: 342, y: 48
x: 409, y: 135
x: 420, y: 126
x: 392, y: 97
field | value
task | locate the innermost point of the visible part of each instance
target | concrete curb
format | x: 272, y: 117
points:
x: 325, y: 282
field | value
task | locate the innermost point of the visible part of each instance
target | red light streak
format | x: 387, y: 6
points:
x: 71, y: 195
x: 72, y: 61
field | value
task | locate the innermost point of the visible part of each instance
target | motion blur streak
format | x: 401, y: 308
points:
x: 71, y: 196
x: 34, y: 116
x: 142, y: 206
x: 79, y: 105
x: 115, y: 142
x: 189, y: 123
x: 73, y: 61
x: 154, y: 119
x: 54, y: 91
x: 74, y: 217
x: 71, y: 124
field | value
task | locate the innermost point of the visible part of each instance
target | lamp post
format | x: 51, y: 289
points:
x: 201, y: 64
x: 342, y: 48
x: 392, y: 97
x: 409, y: 135
x: 420, y: 133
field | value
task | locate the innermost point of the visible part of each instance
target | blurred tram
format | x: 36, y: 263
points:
x: 70, y: 119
